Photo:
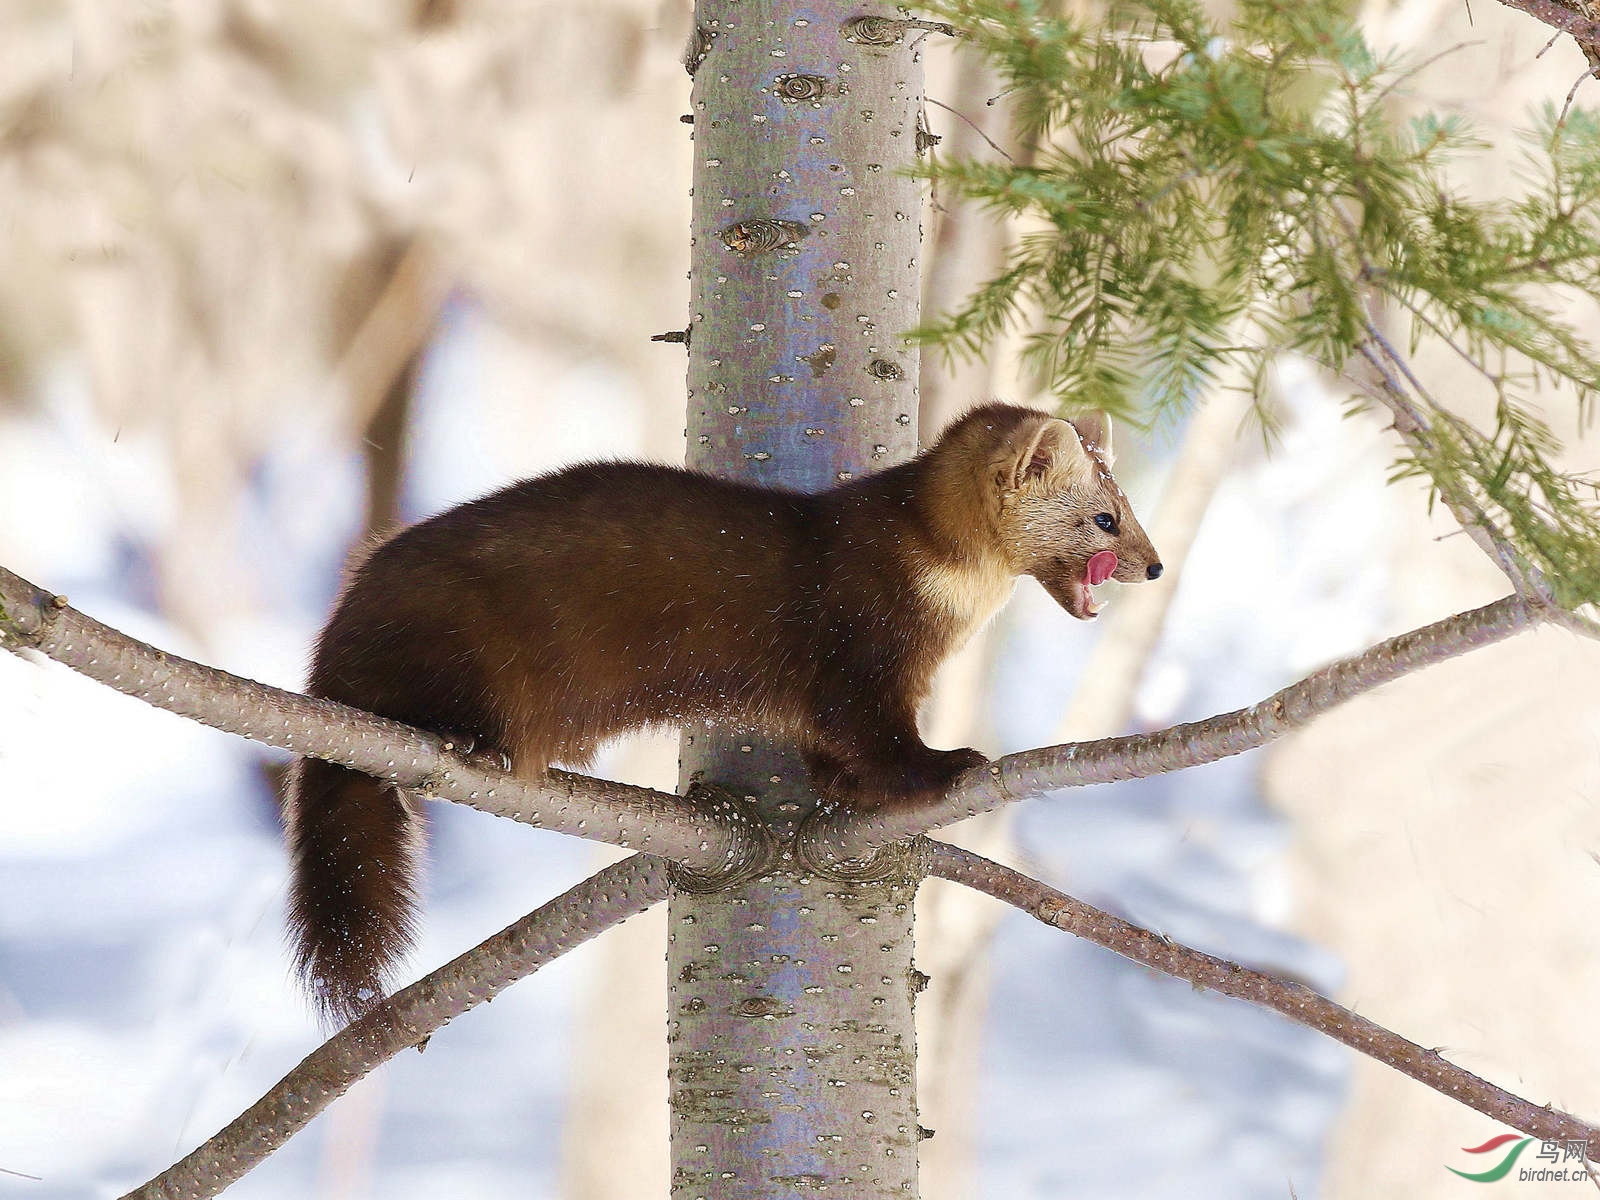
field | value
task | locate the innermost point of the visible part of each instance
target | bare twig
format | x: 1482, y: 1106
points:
x: 1416, y: 430
x: 1417, y: 68
x: 1400, y: 363
x: 1293, y: 1000
x: 955, y: 112
x: 1572, y: 93
x: 838, y: 836
x: 706, y: 836
x: 409, y: 1018
x: 1576, y: 622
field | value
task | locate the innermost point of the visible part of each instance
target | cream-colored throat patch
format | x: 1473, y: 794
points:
x: 970, y: 595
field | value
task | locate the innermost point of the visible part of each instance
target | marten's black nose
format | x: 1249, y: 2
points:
x: 1153, y: 571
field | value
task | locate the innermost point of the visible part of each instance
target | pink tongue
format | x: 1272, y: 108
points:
x: 1101, y: 566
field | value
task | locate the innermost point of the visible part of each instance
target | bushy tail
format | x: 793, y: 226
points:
x: 354, y: 842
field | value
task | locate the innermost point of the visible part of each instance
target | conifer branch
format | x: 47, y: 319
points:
x: 1415, y: 429
x: 707, y: 835
x: 839, y: 836
x: 409, y: 1018
x: 1284, y: 996
x: 1174, y: 191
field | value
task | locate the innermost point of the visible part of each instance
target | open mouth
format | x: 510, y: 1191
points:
x: 1095, y: 572
x: 1075, y: 593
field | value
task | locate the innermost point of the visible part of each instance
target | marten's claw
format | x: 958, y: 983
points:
x: 466, y: 746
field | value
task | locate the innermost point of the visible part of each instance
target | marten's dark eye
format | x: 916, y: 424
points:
x: 1106, y: 521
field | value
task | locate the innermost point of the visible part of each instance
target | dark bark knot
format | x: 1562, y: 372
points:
x: 763, y: 1008
x: 821, y: 359
x: 882, y: 368
x: 874, y: 31
x: 31, y: 615
x: 889, y: 31
x: 761, y: 235
x: 796, y: 89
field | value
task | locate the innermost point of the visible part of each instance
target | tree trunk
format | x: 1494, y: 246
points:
x: 791, y: 1039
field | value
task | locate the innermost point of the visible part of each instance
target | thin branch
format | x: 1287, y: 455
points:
x: 1415, y: 429
x: 1293, y: 1000
x: 710, y: 835
x: 409, y: 1018
x: 1416, y: 69
x: 1576, y: 622
x: 1394, y: 356
x: 955, y: 112
x: 705, y: 835
x: 1439, y: 331
x: 1572, y: 93
x: 838, y: 836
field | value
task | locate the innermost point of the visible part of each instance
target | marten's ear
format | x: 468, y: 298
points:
x: 1043, y: 450
x: 1095, y: 429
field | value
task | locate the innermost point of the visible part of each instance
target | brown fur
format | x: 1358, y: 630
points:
x: 548, y: 617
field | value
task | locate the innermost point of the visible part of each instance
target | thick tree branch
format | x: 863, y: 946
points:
x: 1559, y: 16
x: 709, y: 835
x: 409, y: 1018
x: 1293, y: 1000
x: 837, y: 836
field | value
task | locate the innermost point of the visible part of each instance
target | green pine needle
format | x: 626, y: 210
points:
x: 1183, y: 177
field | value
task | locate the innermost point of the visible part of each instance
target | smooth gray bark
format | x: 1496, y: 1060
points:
x: 792, y: 1043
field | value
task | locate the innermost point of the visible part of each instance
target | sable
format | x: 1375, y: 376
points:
x: 541, y: 620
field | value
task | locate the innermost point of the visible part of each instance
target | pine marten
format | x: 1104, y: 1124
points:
x: 543, y: 619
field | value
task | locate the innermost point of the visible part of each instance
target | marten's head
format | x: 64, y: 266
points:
x: 1053, y: 505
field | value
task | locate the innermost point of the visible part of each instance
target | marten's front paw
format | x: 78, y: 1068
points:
x: 470, y: 748
x: 925, y: 778
x: 951, y: 765
x: 898, y: 783
x: 834, y: 782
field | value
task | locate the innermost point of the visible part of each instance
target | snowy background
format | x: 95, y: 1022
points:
x: 144, y: 975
